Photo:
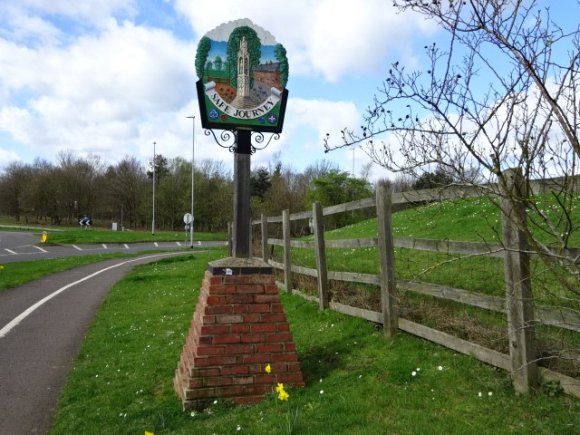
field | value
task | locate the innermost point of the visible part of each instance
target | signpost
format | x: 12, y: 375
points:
x: 242, y: 74
x: 241, y: 90
x: 188, y: 221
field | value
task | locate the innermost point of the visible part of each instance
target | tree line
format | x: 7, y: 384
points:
x: 59, y: 193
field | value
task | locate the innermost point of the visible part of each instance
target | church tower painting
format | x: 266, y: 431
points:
x: 244, y: 98
x: 243, y: 69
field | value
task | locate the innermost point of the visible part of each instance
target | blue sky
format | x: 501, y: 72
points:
x: 110, y: 77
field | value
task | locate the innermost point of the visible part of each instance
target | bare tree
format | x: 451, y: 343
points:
x: 504, y: 92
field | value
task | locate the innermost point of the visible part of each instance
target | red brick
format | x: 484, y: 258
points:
x: 257, y: 389
x: 241, y: 309
x: 264, y: 327
x: 293, y: 367
x: 282, y: 327
x: 250, y: 289
x: 239, y: 328
x: 208, y: 319
x: 258, y: 308
x: 245, y: 380
x: 239, y: 299
x: 279, y: 337
x: 215, y: 361
x: 263, y: 358
x: 236, y: 370
x: 200, y: 392
x: 195, y: 383
x: 229, y: 318
x: 277, y: 308
x: 226, y: 339
x: 289, y: 347
x: 292, y: 379
x: 229, y: 391
x: 284, y: 357
x: 219, y: 309
x: 203, y: 372
x: 210, y: 350
x: 252, y: 318
x: 222, y: 289
x: 265, y: 379
x: 215, y: 300
x: 252, y: 338
x: 214, y: 280
x: 219, y: 381
x: 205, y: 340
x: 271, y: 290
x: 266, y: 298
x: 269, y: 348
x: 238, y: 349
x: 216, y: 329
x: 273, y: 318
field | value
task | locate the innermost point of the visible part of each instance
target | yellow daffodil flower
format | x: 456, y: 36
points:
x: 268, y: 369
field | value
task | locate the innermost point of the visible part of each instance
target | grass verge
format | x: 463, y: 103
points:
x: 357, y: 382
x: 19, y: 273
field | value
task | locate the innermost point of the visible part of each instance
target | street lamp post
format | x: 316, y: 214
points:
x: 153, y: 219
x: 192, y: 166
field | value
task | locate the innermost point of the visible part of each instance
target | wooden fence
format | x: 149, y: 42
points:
x: 522, y: 316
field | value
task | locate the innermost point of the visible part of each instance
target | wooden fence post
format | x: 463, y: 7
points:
x: 320, y: 255
x: 519, y: 299
x: 287, y: 259
x: 264, y: 224
x: 387, y: 257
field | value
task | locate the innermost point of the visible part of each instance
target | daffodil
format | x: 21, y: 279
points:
x: 279, y: 387
x: 268, y: 369
x: 283, y: 395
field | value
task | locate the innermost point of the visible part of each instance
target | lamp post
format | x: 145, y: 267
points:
x: 153, y: 219
x: 192, y: 166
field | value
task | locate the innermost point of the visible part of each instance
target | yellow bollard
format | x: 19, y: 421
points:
x: 44, y: 237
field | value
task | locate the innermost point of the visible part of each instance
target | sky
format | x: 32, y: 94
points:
x: 111, y: 77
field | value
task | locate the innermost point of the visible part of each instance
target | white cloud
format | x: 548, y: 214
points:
x: 94, y: 93
x: 322, y: 37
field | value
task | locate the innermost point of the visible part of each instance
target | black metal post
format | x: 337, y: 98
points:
x: 241, y: 230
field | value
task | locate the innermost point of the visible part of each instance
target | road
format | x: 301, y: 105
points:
x: 20, y: 246
x: 42, y: 324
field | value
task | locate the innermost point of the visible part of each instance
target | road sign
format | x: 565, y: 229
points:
x: 187, y: 218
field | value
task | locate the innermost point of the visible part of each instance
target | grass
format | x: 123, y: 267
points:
x: 357, y: 381
x: 18, y: 273
x: 97, y: 235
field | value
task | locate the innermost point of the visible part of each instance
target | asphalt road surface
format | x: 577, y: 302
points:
x: 19, y: 246
x: 42, y: 324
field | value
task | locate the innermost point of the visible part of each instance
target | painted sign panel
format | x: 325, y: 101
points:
x: 242, y: 73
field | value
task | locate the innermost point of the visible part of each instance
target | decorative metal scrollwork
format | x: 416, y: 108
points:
x: 260, y: 140
x: 228, y: 139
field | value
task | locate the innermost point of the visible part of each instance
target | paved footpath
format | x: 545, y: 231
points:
x: 42, y: 324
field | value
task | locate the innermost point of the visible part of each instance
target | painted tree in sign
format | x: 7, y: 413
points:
x: 201, y: 56
x: 280, y: 53
x: 233, y: 47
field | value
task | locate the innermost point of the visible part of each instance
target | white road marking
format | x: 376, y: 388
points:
x: 105, y: 246
x: 40, y: 249
x: 10, y: 251
x: 16, y: 321
x: 126, y: 246
x: 76, y: 247
x: 178, y: 243
x: 156, y: 244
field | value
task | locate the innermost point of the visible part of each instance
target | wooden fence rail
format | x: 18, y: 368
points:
x: 517, y: 305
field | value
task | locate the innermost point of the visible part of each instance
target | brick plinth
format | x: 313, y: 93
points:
x: 238, y: 327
